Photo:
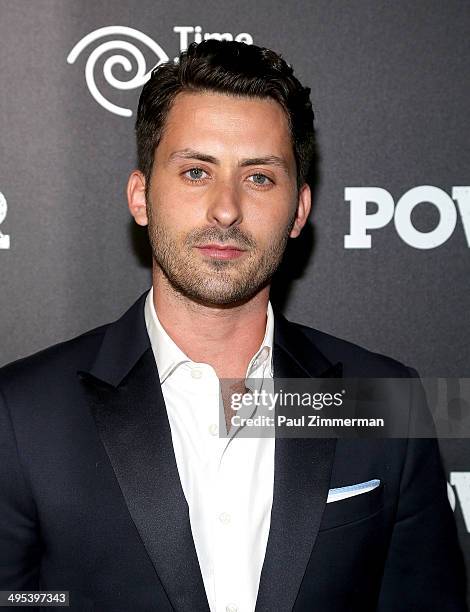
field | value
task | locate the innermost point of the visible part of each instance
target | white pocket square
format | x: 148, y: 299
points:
x: 351, y: 490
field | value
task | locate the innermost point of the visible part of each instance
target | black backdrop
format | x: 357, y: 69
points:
x: 390, y: 88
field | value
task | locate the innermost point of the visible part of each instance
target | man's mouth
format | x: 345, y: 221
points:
x: 220, y: 251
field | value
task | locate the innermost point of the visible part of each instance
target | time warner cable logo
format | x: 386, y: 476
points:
x: 130, y: 57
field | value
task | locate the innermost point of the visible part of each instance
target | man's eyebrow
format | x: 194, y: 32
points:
x: 265, y: 160
x: 192, y: 154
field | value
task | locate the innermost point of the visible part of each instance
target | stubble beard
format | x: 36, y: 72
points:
x: 209, y: 281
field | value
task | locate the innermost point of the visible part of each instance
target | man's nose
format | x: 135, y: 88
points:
x: 225, y: 205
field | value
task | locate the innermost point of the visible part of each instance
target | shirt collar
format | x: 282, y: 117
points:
x: 169, y: 356
x: 262, y: 360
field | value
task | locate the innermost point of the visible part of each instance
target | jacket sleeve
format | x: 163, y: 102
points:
x: 19, y: 538
x: 424, y: 569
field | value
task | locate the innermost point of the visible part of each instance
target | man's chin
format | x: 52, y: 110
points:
x: 215, y: 283
x: 223, y: 295
x: 219, y: 299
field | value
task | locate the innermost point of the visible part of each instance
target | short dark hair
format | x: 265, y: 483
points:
x: 227, y: 67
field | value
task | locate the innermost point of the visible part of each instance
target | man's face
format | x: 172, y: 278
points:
x: 222, y: 200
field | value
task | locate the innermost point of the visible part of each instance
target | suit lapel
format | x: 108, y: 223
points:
x: 302, y: 470
x: 127, y: 404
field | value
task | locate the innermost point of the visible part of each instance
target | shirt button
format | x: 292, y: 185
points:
x: 224, y: 517
x: 231, y: 608
x: 213, y: 429
x: 196, y: 373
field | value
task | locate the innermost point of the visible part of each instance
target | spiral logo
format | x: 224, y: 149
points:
x: 141, y: 75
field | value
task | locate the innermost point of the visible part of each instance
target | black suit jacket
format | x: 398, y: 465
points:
x: 91, y: 501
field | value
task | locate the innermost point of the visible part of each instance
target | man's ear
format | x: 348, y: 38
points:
x: 136, y: 197
x: 303, y: 209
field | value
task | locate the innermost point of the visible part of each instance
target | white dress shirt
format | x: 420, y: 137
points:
x: 227, y: 481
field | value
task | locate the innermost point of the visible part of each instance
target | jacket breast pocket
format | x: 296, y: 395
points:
x: 352, y: 509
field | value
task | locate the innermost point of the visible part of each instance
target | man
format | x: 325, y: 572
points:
x: 114, y: 482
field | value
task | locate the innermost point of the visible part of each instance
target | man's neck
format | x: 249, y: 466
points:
x: 225, y: 338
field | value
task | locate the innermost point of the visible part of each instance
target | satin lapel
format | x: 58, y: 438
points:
x: 302, y: 470
x: 132, y: 422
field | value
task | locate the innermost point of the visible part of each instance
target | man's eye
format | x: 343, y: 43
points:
x: 260, y: 179
x: 194, y: 174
